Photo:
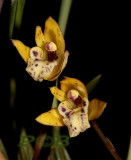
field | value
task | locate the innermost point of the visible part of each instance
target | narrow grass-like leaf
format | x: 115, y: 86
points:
x: 12, y: 18
x: 93, y: 83
x: 64, y: 153
x: 129, y: 151
x: 64, y: 14
x: 52, y: 155
x: 26, y: 151
x: 3, y: 150
x: 19, y: 13
x: 59, y: 153
x: 16, y: 14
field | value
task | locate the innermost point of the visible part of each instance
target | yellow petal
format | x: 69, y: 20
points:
x: 23, y: 50
x: 59, y: 68
x: 73, y: 83
x: 53, y: 33
x: 65, y: 59
x: 40, y: 70
x: 39, y: 37
x: 77, y: 123
x: 96, y: 108
x: 37, y: 53
x: 75, y: 119
x: 51, y: 118
x: 60, y: 95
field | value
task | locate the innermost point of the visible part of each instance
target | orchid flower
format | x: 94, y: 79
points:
x: 75, y: 111
x: 47, y: 60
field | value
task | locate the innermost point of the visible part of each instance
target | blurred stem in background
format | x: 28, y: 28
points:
x: 12, y: 92
x: 12, y: 99
x: 16, y: 13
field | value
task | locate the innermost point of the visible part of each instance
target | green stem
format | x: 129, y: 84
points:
x: 106, y: 141
x: 62, y: 21
x: 55, y: 101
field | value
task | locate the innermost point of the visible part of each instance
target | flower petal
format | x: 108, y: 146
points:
x: 96, y: 108
x: 77, y: 123
x: 60, y: 95
x: 23, y: 50
x: 75, y: 119
x: 51, y: 118
x: 37, y: 53
x: 65, y: 108
x: 60, y: 66
x: 73, y: 83
x: 40, y: 70
x: 39, y: 37
x: 53, y: 33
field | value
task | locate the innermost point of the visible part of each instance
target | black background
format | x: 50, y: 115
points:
x: 97, y: 39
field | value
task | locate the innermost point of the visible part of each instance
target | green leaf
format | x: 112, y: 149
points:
x: 64, y: 14
x: 62, y: 153
x: 16, y: 14
x: 52, y: 155
x: 59, y: 153
x: 26, y: 151
x: 3, y: 150
x: 12, y: 18
x: 19, y: 13
x: 93, y: 83
x: 129, y: 151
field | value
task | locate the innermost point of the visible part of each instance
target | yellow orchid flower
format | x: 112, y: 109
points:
x: 75, y: 111
x: 48, y: 59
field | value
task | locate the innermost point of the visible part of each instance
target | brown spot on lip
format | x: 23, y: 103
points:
x: 52, y: 56
x: 78, y: 101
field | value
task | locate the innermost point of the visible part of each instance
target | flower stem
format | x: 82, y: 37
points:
x: 63, y: 19
x: 106, y: 141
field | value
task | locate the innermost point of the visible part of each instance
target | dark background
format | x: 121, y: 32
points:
x: 97, y: 39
